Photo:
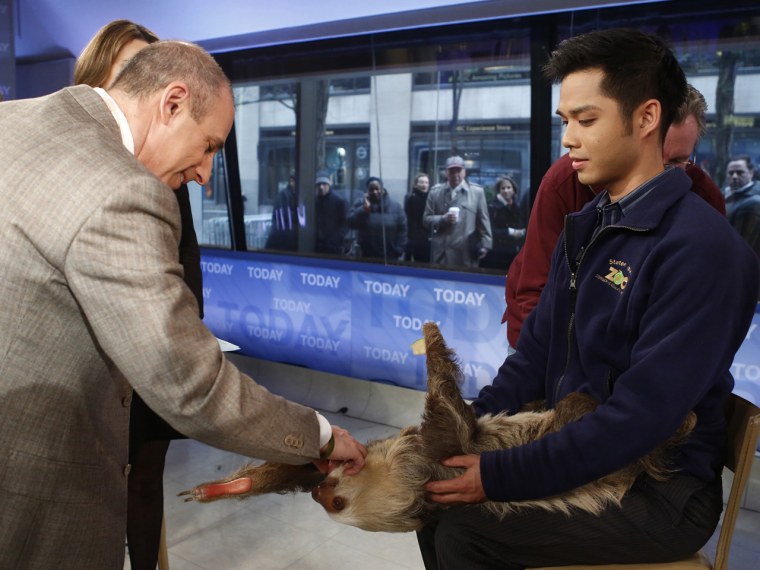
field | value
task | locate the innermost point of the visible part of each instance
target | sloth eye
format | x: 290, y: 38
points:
x: 338, y: 503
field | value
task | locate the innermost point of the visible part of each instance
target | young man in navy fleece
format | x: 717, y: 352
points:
x: 649, y: 296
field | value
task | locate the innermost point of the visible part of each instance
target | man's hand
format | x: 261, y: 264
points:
x: 346, y: 451
x: 467, y: 488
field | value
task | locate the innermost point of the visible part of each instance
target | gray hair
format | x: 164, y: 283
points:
x: 158, y: 64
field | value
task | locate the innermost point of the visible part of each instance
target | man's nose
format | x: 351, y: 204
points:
x: 567, y: 137
x: 203, y: 171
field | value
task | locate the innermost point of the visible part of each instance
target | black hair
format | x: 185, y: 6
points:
x: 372, y: 179
x: 746, y: 158
x: 636, y: 67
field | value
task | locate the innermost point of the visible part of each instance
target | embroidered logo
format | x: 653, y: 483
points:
x: 617, y: 276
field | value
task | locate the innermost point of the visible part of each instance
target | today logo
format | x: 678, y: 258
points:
x: 264, y: 273
x: 457, y: 297
x: 217, y: 268
x: 386, y: 289
x: 319, y: 280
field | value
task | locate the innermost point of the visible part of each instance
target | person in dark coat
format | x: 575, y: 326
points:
x: 507, y: 225
x: 331, y: 213
x: 380, y: 222
x: 418, y: 246
x: 288, y: 215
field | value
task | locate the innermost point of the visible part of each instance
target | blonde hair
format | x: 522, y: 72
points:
x: 94, y: 63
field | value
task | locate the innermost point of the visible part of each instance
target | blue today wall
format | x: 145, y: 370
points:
x: 746, y: 366
x: 356, y: 321
x: 359, y: 321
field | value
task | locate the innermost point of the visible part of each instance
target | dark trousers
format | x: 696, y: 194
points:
x: 145, y: 504
x: 149, y: 438
x: 657, y: 522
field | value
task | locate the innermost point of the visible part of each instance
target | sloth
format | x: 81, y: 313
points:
x: 387, y: 495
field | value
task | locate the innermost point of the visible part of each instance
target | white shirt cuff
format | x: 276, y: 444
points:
x: 325, y: 430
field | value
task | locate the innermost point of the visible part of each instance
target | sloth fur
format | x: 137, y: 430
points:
x: 387, y: 494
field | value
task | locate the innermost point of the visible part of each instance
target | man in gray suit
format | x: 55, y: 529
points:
x: 94, y: 305
x: 457, y: 214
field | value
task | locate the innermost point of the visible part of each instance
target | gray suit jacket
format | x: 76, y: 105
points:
x: 453, y: 244
x: 93, y: 305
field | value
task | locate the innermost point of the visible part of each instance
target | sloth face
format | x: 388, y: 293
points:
x: 387, y: 494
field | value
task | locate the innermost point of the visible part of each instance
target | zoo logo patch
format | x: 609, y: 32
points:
x: 617, y: 276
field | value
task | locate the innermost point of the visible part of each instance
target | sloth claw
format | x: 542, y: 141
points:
x: 217, y: 490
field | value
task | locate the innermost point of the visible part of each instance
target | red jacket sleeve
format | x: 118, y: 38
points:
x: 559, y: 194
x: 703, y: 186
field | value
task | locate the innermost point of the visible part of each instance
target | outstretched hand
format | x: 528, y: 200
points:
x: 467, y: 488
x: 347, y: 452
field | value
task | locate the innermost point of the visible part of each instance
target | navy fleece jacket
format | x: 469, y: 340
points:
x: 661, y: 302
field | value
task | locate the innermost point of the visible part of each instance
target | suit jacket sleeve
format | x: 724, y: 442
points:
x: 123, y: 269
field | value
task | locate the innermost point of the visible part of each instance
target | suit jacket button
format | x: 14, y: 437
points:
x: 126, y: 401
x: 127, y: 469
x: 293, y: 441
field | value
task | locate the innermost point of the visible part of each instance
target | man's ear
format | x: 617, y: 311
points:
x: 174, y: 99
x: 649, y: 117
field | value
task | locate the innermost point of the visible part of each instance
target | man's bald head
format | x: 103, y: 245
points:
x: 161, y: 63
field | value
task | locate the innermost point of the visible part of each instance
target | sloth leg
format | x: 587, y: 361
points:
x: 258, y: 480
x: 448, y: 424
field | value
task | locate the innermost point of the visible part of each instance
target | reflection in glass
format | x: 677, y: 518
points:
x: 395, y: 104
x: 401, y: 116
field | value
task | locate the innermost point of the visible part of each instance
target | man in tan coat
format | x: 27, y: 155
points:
x: 457, y: 214
x: 93, y: 305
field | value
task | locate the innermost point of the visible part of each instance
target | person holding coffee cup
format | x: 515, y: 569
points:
x: 457, y: 214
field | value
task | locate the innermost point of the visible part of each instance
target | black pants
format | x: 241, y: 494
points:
x: 657, y: 522
x: 149, y: 438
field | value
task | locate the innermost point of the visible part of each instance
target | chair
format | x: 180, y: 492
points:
x: 163, y: 553
x: 743, y: 419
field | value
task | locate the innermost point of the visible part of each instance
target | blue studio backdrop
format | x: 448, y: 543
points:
x: 360, y: 320
x: 357, y: 322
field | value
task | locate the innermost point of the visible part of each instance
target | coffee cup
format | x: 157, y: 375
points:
x: 454, y: 210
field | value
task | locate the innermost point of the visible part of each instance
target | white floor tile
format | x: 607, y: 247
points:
x: 332, y: 555
x: 248, y: 540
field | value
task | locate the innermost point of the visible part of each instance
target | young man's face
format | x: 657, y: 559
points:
x: 602, y: 146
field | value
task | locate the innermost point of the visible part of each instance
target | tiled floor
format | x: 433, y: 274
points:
x: 293, y: 532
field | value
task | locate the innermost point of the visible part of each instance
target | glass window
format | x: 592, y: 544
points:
x: 210, y: 208
x: 387, y: 110
x: 397, y: 105
x: 719, y: 50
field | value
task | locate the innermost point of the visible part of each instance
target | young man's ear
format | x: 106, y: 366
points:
x: 174, y: 98
x: 649, y: 117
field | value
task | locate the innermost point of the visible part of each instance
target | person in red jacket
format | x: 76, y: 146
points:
x: 561, y: 193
